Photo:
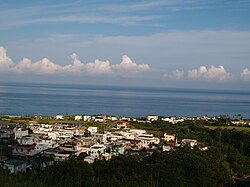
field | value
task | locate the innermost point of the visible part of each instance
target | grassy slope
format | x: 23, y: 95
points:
x: 230, y: 127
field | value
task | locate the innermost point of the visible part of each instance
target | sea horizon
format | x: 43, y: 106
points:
x: 48, y: 99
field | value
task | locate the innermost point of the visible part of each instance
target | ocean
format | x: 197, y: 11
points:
x: 53, y: 99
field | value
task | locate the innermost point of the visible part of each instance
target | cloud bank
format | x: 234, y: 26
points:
x: 218, y: 74
x: 245, y: 74
x: 126, y: 68
x: 175, y: 75
x: 212, y: 74
x: 45, y: 66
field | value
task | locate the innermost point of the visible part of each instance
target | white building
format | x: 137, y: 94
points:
x: 137, y: 131
x: 27, y: 140
x: 62, y: 155
x: 152, y: 118
x: 40, y: 128
x: 86, y: 118
x: 4, y: 134
x: 125, y: 119
x: 19, y: 133
x: 41, y: 147
x: 166, y: 148
x: 121, y: 125
x: 92, y: 130
x: 101, y: 138
x: 190, y: 142
x: 78, y: 118
x: 100, y: 119
x: 89, y: 159
x: 59, y: 117
x: 51, y: 143
x: 173, y: 120
x: 53, y: 135
x: 114, y: 118
x: 147, y: 140
x: 97, y: 151
x: 168, y: 137
x: 170, y: 119
x: 129, y: 135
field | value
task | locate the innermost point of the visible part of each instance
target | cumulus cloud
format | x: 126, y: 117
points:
x: 129, y: 67
x: 5, y: 61
x: 213, y: 74
x: 76, y: 67
x: 45, y: 66
x: 176, y: 75
x: 217, y: 74
x: 96, y: 67
x: 245, y: 74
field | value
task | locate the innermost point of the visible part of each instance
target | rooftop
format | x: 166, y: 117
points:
x: 15, y: 162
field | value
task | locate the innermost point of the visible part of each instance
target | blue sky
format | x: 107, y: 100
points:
x: 182, y: 43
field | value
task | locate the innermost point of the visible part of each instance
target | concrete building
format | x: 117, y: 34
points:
x: 78, y: 118
x: 27, y: 140
x: 19, y: 133
x: 190, y: 142
x: 152, y: 118
x: 97, y: 151
x: 168, y: 137
x: 22, y: 150
x: 87, y: 118
x: 121, y: 125
x: 92, y: 130
x: 59, y: 117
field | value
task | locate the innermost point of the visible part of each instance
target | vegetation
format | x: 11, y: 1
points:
x: 230, y: 127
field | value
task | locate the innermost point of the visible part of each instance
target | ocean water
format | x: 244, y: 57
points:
x: 52, y: 99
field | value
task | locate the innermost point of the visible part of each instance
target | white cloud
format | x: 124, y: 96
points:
x: 76, y: 67
x: 91, y: 68
x: 127, y: 66
x: 216, y: 74
x: 176, y: 75
x: 98, y: 67
x: 45, y: 66
x: 245, y: 74
x: 5, y: 61
x: 212, y: 74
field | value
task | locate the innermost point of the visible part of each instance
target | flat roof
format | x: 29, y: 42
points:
x: 14, y: 162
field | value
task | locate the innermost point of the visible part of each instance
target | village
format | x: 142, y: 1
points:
x: 38, y: 145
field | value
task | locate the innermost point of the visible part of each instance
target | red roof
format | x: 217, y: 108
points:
x: 121, y: 122
x: 173, y: 144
